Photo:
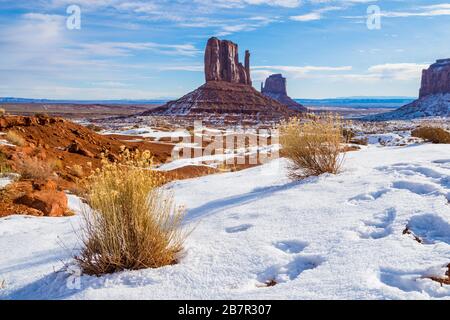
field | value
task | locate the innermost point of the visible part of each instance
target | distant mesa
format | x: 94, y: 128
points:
x: 434, y: 96
x: 228, y: 92
x: 275, y: 87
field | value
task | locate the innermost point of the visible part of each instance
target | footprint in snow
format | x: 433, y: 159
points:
x: 283, y: 273
x: 416, y: 187
x: 415, y: 281
x: 291, y: 246
x: 380, y: 226
x: 371, y: 196
x: 430, y: 228
x: 241, y: 228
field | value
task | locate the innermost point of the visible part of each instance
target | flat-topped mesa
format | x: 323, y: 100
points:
x: 222, y: 62
x: 436, y: 79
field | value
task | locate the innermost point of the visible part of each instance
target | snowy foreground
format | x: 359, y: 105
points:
x: 332, y: 237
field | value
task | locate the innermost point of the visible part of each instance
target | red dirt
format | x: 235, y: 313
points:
x: 67, y: 147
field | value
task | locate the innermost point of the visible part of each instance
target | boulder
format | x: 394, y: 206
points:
x: 45, y: 198
x: 76, y: 147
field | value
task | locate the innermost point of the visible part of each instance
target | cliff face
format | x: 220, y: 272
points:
x: 436, y: 79
x: 434, y: 98
x: 222, y: 62
x: 275, y: 87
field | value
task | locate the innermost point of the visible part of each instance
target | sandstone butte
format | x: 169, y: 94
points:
x: 275, y: 87
x: 227, y: 92
x: 434, y: 96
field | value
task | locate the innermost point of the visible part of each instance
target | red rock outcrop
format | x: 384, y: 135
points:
x: 436, y: 79
x: 275, y: 87
x: 45, y: 198
x: 228, y: 95
x: 222, y: 62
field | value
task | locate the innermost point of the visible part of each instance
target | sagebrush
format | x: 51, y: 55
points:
x: 133, y: 223
x: 432, y: 134
x: 15, y: 138
x: 4, y: 166
x: 313, y: 145
x: 35, y: 169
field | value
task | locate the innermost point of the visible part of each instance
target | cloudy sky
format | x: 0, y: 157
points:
x: 154, y: 49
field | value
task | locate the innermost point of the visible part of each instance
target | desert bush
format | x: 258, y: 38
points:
x: 33, y: 168
x: 313, y: 145
x: 2, y: 112
x: 133, y: 223
x: 94, y: 127
x: 4, y: 166
x: 363, y: 141
x: 432, y: 134
x: 348, y: 135
x: 77, y: 171
x: 15, y: 138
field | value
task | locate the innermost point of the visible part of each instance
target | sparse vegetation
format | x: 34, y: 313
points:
x: 77, y: 171
x: 348, y: 135
x: 15, y: 138
x: 313, y: 145
x: 4, y: 166
x: 432, y: 134
x: 2, y: 112
x: 33, y: 168
x: 133, y: 224
x: 94, y: 127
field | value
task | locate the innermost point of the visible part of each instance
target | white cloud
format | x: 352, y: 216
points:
x: 380, y: 72
x: 315, y: 15
x: 398, y: 71
x: 295, y: 72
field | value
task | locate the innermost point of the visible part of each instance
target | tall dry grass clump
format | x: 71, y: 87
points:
x: 134, y: 223
x: 432, y: 134
x: 4, y: 166
x: 2, y: 112
x: 313, y: 144
x: 36, y: 169
x: 15, y: 138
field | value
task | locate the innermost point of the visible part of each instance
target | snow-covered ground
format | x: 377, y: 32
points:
x: 148, y: 132
x: 331, y: 237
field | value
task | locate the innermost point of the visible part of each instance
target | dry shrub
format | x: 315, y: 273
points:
x: 2, y: 112
x: 133, y: 224
x: 94, y: 127
x: 33, y: 168
x: 77, y: 171
x: 4, y: 166
x: 15, y: 138
x: 313, y: 145
x: 432, y: 134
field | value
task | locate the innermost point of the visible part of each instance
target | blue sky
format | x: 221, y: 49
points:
x: 154, y: 49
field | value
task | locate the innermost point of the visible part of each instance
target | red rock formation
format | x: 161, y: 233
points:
x: 228, y: 95
x: 275, y: 88
x: 436, y: 79
x: 222, y: 62
x: 46, y: 198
